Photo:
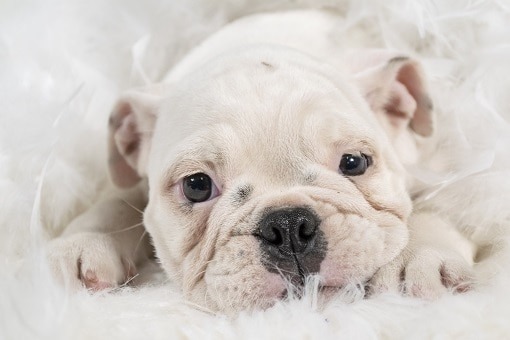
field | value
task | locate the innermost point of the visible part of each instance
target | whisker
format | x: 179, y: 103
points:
x: 139, y: 241
x: 129, y: 280
x: 194, y: 279
x: 281, y: 271
x: 126, y: 229
x: 202, y: 271
x: 132, y: 206
x: 199, y: 307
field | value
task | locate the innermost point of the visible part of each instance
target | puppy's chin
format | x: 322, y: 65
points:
x: 278, y: 289
x: 224, y: 294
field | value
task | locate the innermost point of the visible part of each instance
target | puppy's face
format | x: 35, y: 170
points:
x: 263, y: 172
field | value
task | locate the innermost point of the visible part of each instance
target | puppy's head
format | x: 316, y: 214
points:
x: 264, y: 168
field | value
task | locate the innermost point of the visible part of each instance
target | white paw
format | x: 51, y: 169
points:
x: 426, y: 273
x: 89, y: 259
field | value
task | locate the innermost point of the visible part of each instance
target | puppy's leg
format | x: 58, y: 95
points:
x: 438, y: 258
x: 101, y: 248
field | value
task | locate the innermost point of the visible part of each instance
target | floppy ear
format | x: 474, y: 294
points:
x: 394, y: 86
x: 131, y: 126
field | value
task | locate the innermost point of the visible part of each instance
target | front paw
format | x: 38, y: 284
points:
x: 91, y: 260
x: 425, y: 273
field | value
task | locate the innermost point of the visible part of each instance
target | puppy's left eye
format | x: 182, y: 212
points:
x: 354, y: 165
x: 199, y: 187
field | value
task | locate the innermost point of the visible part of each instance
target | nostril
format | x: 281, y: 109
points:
x: 306, y: 227
x: 272, y: 235
x: 277, y: 240
x: 306, y: 232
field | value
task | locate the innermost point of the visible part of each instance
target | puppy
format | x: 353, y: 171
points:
x: 269, y: 154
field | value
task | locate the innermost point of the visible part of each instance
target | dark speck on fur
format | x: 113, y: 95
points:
x: 310, y: 177
x: 266, y: 64
x: 242, y: 194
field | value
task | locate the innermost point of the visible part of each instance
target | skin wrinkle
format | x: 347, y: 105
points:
x: 340, y: 210
x: 380, y: 208
x: 221, y: 245
x: 206, y: 253
x: 248, y: 296
x: 229, y: 273
x: 203, y: 156
x: 186, y: 167
x: 372, y: 203
x: 242, y: 221
x: 192, y: 240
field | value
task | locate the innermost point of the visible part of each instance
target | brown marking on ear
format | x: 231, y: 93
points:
x: 268, y: 65
x: 398, y: 59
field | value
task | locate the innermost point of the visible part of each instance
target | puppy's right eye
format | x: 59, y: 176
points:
x: 198, y: 188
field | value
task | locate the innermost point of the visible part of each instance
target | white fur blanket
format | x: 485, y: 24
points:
x: 62, y: 64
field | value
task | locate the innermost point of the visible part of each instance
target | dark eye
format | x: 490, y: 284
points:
x: 354, y: 165
x: 198, y: 188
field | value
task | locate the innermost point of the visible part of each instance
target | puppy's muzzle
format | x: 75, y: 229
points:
x: 291, y: 242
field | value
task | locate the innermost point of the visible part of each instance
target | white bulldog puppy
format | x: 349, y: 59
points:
x: 269, y: 154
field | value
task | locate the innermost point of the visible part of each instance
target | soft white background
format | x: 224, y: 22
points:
x: 63, y: 63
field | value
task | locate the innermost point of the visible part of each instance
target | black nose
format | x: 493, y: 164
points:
x: 291, y: 231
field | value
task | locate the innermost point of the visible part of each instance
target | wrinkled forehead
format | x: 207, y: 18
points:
x: 262, y: 115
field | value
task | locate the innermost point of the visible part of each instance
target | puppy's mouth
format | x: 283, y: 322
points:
x: 301, y: 276
x: 294, y: 267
